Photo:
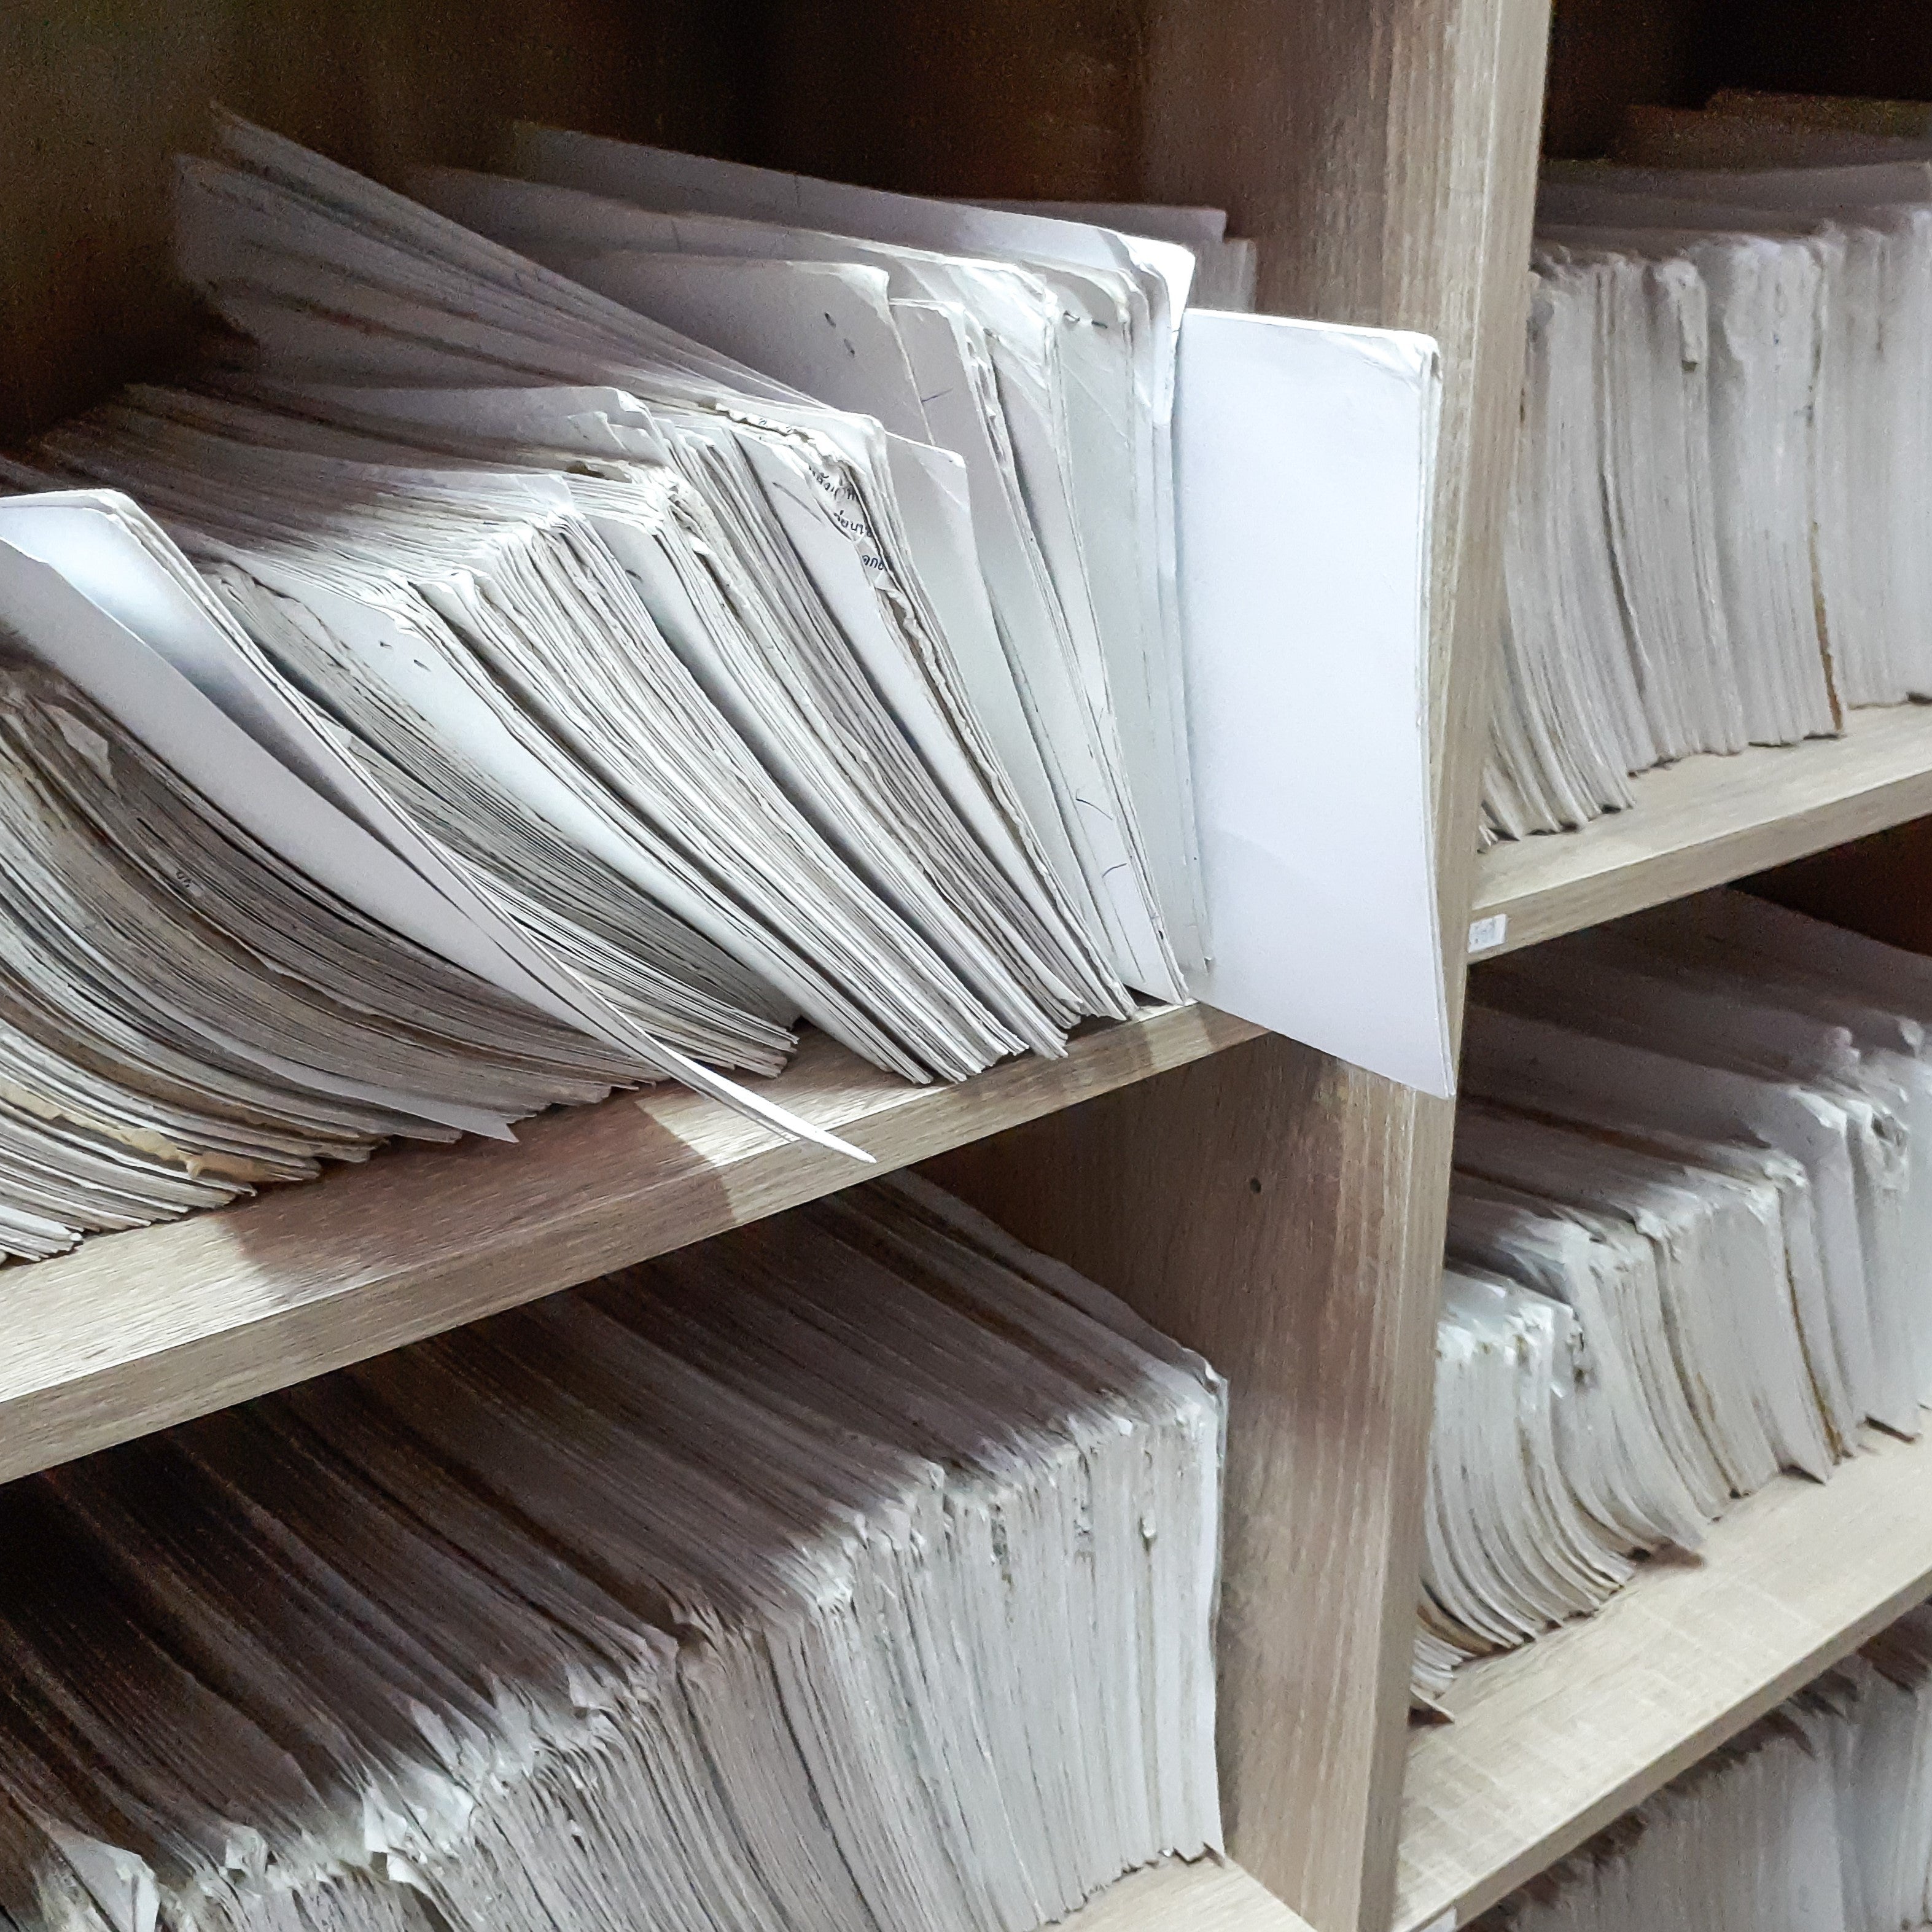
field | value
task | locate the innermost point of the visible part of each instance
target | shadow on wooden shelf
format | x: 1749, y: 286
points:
x: 1708, y: 821
x: 1551, y: 1742
x: 133, y: 1331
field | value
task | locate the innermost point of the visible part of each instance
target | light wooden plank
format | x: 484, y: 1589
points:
x: 1210, y: 1895
x: 1382, y: 154
x: 133, y: 1331
x: 1708, y: 820
x: 1551, y: 1742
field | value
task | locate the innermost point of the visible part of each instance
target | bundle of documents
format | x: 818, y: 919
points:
x: 954, y: 507
x: 1036, y: 351
x: 1693, y: 1193
x: 855, y: 1570
x: 1721, y: 529
x: 659, y: 702
x: 758, y: 602
x: 187, y: 1014
x: 1817, y: 1818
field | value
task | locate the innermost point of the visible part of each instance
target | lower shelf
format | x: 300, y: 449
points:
x: 1553, y: 1741
x: 1207, y: 1896
x: 1707, y: 820
x: 132, y: 1332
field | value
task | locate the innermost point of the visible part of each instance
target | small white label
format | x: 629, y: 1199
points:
x: 1447, y: 1923
x: 1485, y: 936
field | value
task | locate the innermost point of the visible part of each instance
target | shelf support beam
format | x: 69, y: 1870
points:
x: 1382, y: 154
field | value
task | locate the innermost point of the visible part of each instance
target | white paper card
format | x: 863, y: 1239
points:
x: 1304, y: 462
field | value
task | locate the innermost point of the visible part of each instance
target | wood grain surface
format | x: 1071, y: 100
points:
x: 1382, y: 154
x: 133, y: 1331
x: 1207, y: 1896
x: 1551, y: 1742
x: 1708, y: 820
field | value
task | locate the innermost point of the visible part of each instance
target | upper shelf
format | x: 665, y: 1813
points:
x: 133, y: 1331
x: 1553, y: 1741
x: 1708, y: 820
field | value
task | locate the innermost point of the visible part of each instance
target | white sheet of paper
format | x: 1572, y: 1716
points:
x: 1305, y: 456
x: 823, y: 327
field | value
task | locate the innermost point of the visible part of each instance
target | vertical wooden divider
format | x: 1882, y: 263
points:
x: 1279, y: 1210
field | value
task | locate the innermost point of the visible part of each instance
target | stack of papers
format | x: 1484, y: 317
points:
x: 1041, y: 354
x: 1693, y: 1173
x: 760, y: 602
x: 651, y: 726
x: 1721, y: 531
x: 1817, y: 1818
x: 855, y: 1570
x: 187, y: 1014
x: 986, y: 512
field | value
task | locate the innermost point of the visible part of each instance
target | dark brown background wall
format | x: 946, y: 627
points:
x: 1604, y: 54
x: 993, y: 96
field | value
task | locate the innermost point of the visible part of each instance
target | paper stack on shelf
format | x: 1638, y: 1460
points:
x: 856, y: 1569
x: 654, y: 720
x: 329, y: 274
x: 1176, y: 560
x: 1817, y: 1818
x: 1693, y: 1176
x: 1721, y: 529
x: 187, y: 1014
x: 759, y: 623
x: 1035, y: 346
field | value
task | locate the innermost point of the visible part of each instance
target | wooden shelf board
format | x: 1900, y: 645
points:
x: 1553, y: 1741
x: 1210, y: 1895
x: 1708, y: 820
x: 133, y: 1331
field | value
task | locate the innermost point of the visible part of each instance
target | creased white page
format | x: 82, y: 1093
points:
x: 1304, y: 465
x: 150, y: 696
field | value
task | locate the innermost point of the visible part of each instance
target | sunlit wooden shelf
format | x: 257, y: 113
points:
x: 133, y: 1331
x: 1708, y: 820
x: 1551, y: 1742
x: 1208, y: 1896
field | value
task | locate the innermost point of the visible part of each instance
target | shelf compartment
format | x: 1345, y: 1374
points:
x: 1210, y: 1895
x: 1709, y: 820
x: 1551, y: 1742
x: 133, y: 1331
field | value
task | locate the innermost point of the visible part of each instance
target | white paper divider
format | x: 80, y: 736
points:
x: 1304, y: 468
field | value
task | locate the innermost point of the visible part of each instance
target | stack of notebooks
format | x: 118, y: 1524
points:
x: 581, y: 625
x: 856, y: 1571
x: 1692, y: 1194
x: 1818, y: 1818
x: 1720, y: 533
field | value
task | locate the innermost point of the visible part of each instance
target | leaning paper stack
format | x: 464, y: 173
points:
x: 1721, y: 529
x: 1693, y: 1191
x: 856, y: 1571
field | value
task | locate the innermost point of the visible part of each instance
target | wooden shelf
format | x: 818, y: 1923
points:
x: 1208, y: 1896
x: 133, y: 1331
x: 1708, y: 820
x: 1553, y: 1741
